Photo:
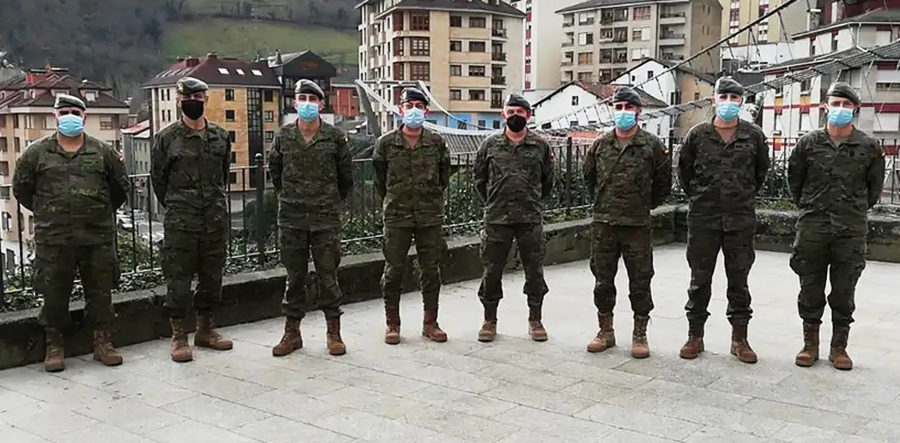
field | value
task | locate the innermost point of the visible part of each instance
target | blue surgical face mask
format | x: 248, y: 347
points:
x: 625, y: 120
x: 840, y: 117
x: 728, y: 110
x: 414, y: 117
x: 70, y: 125
x: 308, y: 111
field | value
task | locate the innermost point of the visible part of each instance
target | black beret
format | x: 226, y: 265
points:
x: 413, y: 95
x: 519, y: 101
x: 309, y: 87
x: 69, y: 101
x: 728, y: 85
x: 626, y: 94
x: 190, y: 86
x: 844, y: 90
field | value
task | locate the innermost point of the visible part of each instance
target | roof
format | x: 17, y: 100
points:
x: 44, y: 85
x: 304, y: 64
x: 820, y: 58
x: 596, y: 4
x: 877, y: 16
x: 138, y: 128
x: 461, y: 5
x: 709, y: 78
x: 605, y: 91
x: 217, y: 71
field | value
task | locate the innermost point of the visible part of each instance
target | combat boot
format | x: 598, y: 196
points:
x: 206, y: 335
x: 639, y: 346
x: 392, y: 333
x: 54, y: 361
x: 740, y: 348
x: 535, y: 327
x: 181, y: 350
x: 838, y: 357
x: 104, y: 351
x: 489, y: 328
x: 430, y: 327
x: 694, y: 345
x: 335, y: 344
x: 291, y: 341
x: 606, y: 337
x: 809, y: 355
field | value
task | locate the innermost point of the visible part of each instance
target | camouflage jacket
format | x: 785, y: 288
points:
x: 311, y: 179
x: 412, y: 181
x: 73, y: 194
x: 189, y: 171
x: 513, y: 178
x: 835, y: 186
x: 627, y: 184
x: 722, y: 179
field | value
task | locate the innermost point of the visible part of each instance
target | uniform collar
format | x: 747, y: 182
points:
x: 424, y: 137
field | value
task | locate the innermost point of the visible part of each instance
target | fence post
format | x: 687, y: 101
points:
x: 260, y: 209
x: 568, y: 174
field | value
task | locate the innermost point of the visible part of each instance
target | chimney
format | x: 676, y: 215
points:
x: 192, y: 61
x: 35, y: 76
x: 278, y: 59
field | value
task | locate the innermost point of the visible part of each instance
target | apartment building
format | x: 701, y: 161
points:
x: 769, y: 41
x: 543, y: 45
x: 136, y: 145
x: 26, y: 115
x: 605, y: 38
x: 469, y: 54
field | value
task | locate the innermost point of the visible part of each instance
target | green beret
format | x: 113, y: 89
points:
x: 413, y: 95
x: 309, y: 87
x: 69, y: 101
x: 628, y: 95
x: 191, y: 86
x: 843, y: 90
x: 518, y: 101
x: 728, y: 85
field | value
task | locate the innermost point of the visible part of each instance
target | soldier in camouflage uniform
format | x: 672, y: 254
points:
x: 722, y: 166
x: 412, y: 170
x: 628, y: 172
x: 836, y: 175
x: 513, y: 172
x: 311, y: 169
x: 73, y: 183
x: 189, y: 169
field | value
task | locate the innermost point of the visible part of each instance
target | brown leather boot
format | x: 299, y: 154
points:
x: 104, y: 351
x: 639, y: 346
x: 809, y: 355
x: 606, y: 337
x: 740, y: 348
x: 535, y: 327
x: 694, y: 345
x: 430, y: 327
x: 488, y: 330
x: 838, y: 357
x: 206, y: 335
x: 291, y: 341
x: 54, y: 360
x: 181, y: 350
x: 392, y: 333
x: 335, y: 344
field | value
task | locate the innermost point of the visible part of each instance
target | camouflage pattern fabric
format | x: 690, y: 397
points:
x: 702, y: 252
x: 496, y: 241
x: 634, y: 244
x: 513, y: 178
x: 430, y: 249
x: 312, y: 179
x: 816, y: 253
x: 412, y: 180
x: 54, y: 276
x: 627, y: 183
x: 73, y: 195
x: 325, y: 246
x: 188, y: 253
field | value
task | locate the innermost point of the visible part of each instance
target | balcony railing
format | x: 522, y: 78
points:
x: 498, y: 80
x: 672, y: 35
x: 498, y: 56
x: 587, y: 22
x: 498, y: 32
x: 671, y: 14
x: 496, y: 104
x: 672, y: 57
x: 567, y: 63
x: 568, y: 44
x: 568, y: 24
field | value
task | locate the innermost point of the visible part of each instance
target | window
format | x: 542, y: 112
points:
x: 398, y: 21
x: 641, y: 13
x: 29, y: 122
x: 419, y: 22
x: 585, y: 77
x: 477, y: 47
x: 734, y: 15
x: 476, y: 71
x: 419, y: 71
x: 476, y: 95
x: 804, y: 86
x: 229, y: 115
x: 574, y: 100
x: 640, y: 34
x: 496, y: 124
x: 270, y: 135
x: 455, y: 21
x: 649, y: 75
x: 887, y: 87
x: 270, y: 116
x: 639, y: 53
x: 606, y: 34
x: 482, y: 123
x: 106, y: 123
x: 585, y: 58
x: 268, y: 96
x: 455, y: 94
x: 456, y: 70
x: 229, y: 95
x: 477, y: 22
x: 606, y: 56
x: 834, y: 44
x: 232, y: 178
x: 456, y: 46
x: 420, y: 46
x: 812, y: 46
x: 233, y: 157
x: 586, y: 38
x: 232, y: 136
x: 696, y: 96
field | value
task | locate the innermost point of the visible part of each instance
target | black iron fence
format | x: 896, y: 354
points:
x: 252, y: 205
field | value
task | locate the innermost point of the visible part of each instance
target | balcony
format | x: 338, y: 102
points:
x: 672, y: 18
x: 568, y: 24
x: 568, y: 62
x: 498, y: 56
x: 666, y: 56
x: 568, y: 44
x: 496, y: 104
x: 587, y: 22
x: 498, y: 80
x: 671, y: 39
x: 498, y: 32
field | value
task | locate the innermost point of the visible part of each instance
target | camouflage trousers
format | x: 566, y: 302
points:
x: 814, y: 255
x: 430, y: 248
x: 186, y: 254
x: 702, y: 253
x: 325, y: 246
x: 634, y: 244
x: 54, y: 277
x: 496, y: 242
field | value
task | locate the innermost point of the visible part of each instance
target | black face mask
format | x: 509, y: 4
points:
x: 192, y: 109
x: 516, y: 123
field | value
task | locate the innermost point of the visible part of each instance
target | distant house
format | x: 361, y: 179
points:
x: 291, y: 68
x: 345, y: 101
x: 136, y: 144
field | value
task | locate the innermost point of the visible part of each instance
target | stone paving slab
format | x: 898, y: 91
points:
x: 511, y: 391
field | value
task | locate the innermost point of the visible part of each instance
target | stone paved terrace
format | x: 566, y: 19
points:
x: 510, y: 391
